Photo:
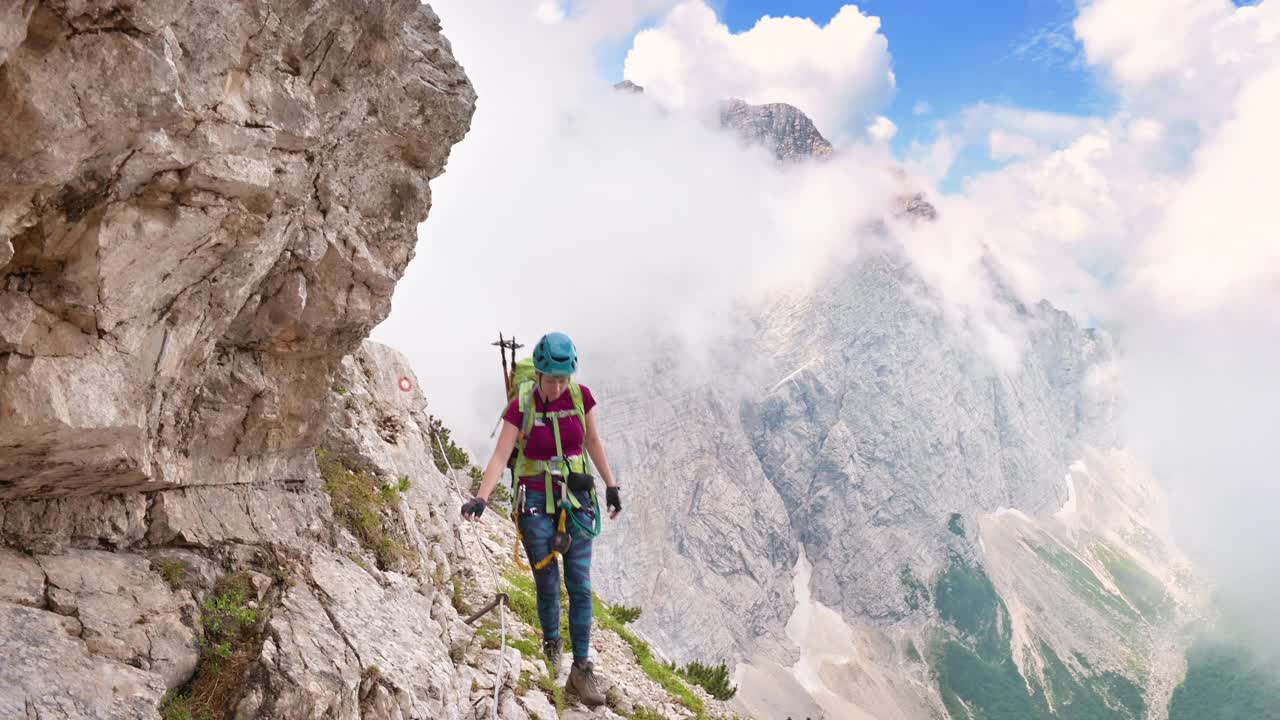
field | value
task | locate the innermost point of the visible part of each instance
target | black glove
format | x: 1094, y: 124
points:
x: 612, y: 500
x: 473, y: 508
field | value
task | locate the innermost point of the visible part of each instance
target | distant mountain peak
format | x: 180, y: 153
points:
x: 792, y: 136
x: 783, y: 128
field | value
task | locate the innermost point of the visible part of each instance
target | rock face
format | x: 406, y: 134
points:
x: 342, y: 627
x: 203, y: 207
x: 214, y: 501
x: 782, y: 128
x: 857, y: 470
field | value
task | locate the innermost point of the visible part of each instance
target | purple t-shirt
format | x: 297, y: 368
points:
x: 541, y: 443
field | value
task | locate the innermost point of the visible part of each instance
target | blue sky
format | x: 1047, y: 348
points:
x: 951, y: 55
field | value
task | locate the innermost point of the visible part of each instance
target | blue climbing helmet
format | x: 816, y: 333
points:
x: 555, y: 355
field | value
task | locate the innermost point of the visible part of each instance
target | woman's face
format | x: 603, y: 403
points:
x: 553, y: 386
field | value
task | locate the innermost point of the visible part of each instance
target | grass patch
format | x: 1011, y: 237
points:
x: 1108, y: 695
x: 643, y: 712
x: 174, y: 572
x: 917, y: 593
x: 362, y: 503
x: 1140, y: 587
x: 978, y: 678
x: 177, y: 706
x: 1082, y: 580
x: 965, y: 598
x: 490, y: 639
x: 554, y: 693
x: 659, y: 672
x: 459, y: 600
x: 912, y: 653
x: 523, y: 593
x: 991, y: 687
x: 230, y: 641
x: 528, y: 648
x: 525, y: 683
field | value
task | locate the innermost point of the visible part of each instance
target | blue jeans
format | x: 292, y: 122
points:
x: 538, y: 529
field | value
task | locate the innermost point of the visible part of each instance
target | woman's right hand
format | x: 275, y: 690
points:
x: 473, y: 508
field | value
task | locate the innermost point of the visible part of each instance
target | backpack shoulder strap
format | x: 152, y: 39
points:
x: 528, y: 406
x: 580, y: 408
x: 576, y: 391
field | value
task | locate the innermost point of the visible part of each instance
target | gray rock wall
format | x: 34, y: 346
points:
x: 203, y: 207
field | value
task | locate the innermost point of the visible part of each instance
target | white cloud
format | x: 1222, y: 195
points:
x: 1007, y: 132
x: 1051, y: 45
x: 550, y: 12
x: 572, y: 206
x: 1008, y: 146
x: 929, y: 162
x: 1220, y: 240
x: 1144, y: 39
x: 1158, y: 223
x: 882, y: 129
x: 1155, y: 222
x: 922, y: 107
x: 1044, y: 128
x: 1146, y: 130
x: 1182, y: 58
x: 838, y: 73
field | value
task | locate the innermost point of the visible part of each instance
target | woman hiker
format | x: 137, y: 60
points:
x: 551, y: 460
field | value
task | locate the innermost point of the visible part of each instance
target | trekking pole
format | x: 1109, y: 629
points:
x: 502, y: 351
x: 504, y: 345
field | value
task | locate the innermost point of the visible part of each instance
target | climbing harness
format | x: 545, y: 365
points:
x: 560, y: 472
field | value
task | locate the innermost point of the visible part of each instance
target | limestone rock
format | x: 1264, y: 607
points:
x: 203, y: 208
x: 23, y: 581
x: 48, y: 673
x: 127, y: 612
x: 783, y: 129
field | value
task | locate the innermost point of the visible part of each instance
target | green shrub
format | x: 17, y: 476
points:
x: 453, y: 456
x: 624, y: 614
x: 712, y: 678
x: 230, y: 641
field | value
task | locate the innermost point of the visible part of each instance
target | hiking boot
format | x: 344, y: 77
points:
x: 582, y: 682
x: 552, y: 648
